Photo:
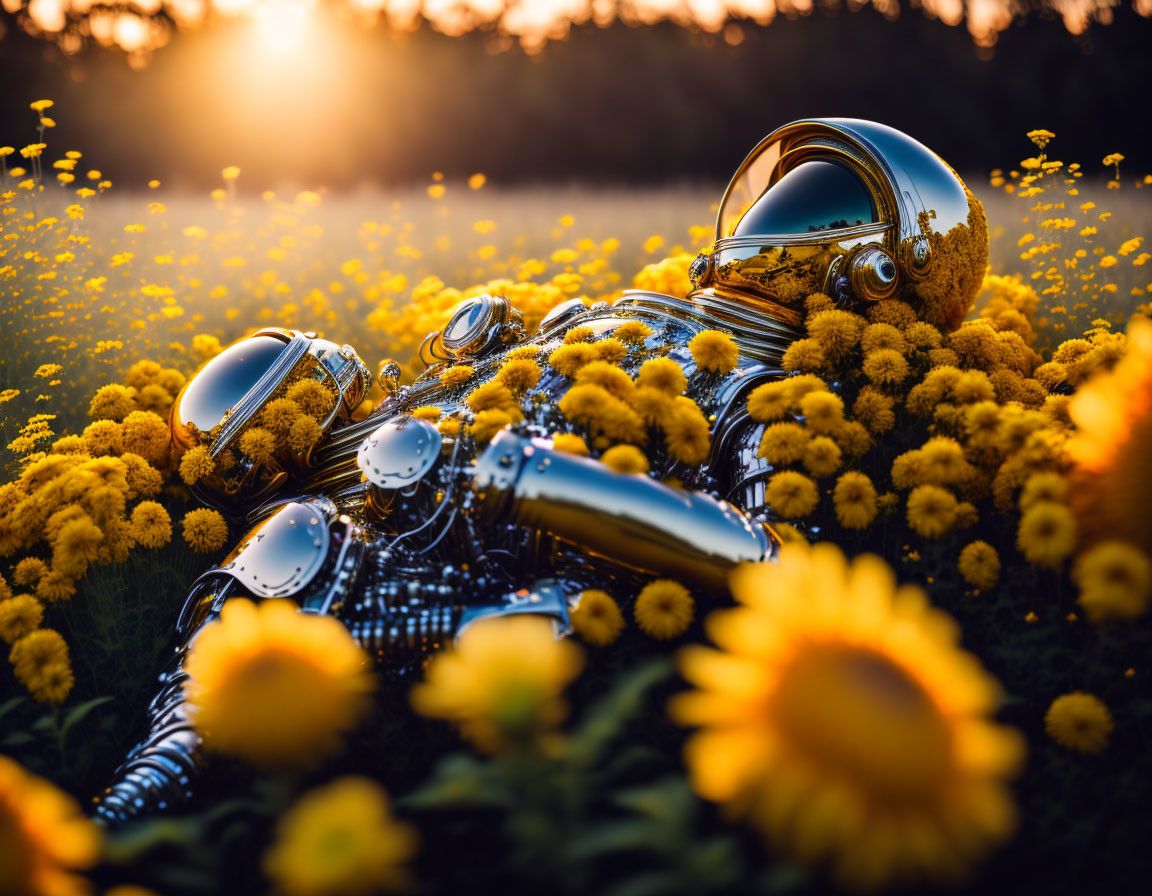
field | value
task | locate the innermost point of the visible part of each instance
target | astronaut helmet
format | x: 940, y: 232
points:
x: 229, y: 395
x: 854, y: 210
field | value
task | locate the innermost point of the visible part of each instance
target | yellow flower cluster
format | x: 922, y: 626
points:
x: 80, y: 500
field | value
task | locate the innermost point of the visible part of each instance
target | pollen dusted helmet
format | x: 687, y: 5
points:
x: 853, y: 209
x: 228, y: 395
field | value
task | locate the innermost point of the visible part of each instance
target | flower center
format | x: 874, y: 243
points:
x: 857, y: 715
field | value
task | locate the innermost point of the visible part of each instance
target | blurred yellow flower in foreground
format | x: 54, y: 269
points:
x: 340, y: 840
x: 274, y: 686
x: 502, y: 683
x: 1113, y: 417
x: 841, y: 716
x: 43, y: 836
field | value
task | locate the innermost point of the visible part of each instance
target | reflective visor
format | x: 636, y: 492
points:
x: 225, y: 380
x: 814, y: 197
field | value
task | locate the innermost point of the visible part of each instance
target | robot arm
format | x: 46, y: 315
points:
x: 159, y: 771
x: 279, y: 557
x: 631, y: 520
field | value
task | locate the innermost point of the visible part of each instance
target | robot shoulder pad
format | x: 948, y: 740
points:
x: 399, y: 452
x: 280, y: 555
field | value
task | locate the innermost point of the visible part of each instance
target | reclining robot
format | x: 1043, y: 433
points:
x: 407, y: 529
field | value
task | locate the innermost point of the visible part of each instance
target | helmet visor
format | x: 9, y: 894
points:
x: 817, y: 196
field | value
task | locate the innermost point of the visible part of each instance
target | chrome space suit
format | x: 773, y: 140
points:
x: 407, y: 533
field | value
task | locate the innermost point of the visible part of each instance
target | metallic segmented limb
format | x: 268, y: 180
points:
x: 159, y: 771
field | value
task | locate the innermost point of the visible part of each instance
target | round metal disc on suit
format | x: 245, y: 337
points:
x: 399, y: 452
x: 469, y: 326
x: 282, y: 554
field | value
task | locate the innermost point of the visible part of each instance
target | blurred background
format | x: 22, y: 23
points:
x: 300, y: 96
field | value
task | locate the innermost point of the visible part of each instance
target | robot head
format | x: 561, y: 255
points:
x: 227, y: 395
x: 852, y: 209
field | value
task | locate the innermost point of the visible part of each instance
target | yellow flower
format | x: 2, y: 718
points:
x: 113, y: 402
x: 279, y: 415
x: 1113, y: 417
x: 714, y: 351
x: 686, y: 432
x: 664, y: 609
x: 804, y: 356
x: 1115, y: 581
x: 839, y: 740
x: 979, y: 564
x: 822, y: 456
x: 570, y: 443
x: 493, y: 395
x: 340, y: 840
x: 55, y: 587
x: 456, y: 376
x: 769, y: 402
x: 196, y: 464
x: 596, y: 618
x: 855, y: 500
x: 519, y: 375
x: 274, y: 686
x: 40, y: 662
x: 791, y: 495
x: 603, y: 413
x: 259, y: 444
x: 29, y: 571
x: 607, y: 376
x: 488, y: 423
x: 1079, y: 722
x: 1040, y: 487
x: 151, y: 524
x: 76, y: 545
x: 663, y: 375
x: 146, y: 434
x: 431, y: 413
x: 1047, y: 534
x: 625, y: 459
x: 836, y: 332
x: 632, y: 331
x: 823, y: 411
x: 205, y: 530
x: 874, y: 410
x: 230, y: 173
x: 931, y: 510
x: 304, y: 433
x: 313, y: 398
x: 44, y: 836
x: 19, y: 615
x: 502, y: 683
x: 568, y: 359
x: 885, y: 367
x: 611, y: 350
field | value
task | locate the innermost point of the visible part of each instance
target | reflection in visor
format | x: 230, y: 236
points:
x: 813, y: 197
x: 226, y: 379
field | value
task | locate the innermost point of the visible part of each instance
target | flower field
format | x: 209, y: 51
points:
x: 948, y: 687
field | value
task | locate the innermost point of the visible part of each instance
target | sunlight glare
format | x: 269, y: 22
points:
x: 281, y: 26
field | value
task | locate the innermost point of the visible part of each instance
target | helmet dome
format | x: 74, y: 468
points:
x: 853, y: 209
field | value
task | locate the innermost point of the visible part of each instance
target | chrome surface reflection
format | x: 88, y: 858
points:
x: 225, y: 380
x: 399, y: 452
x: 281, y: 554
